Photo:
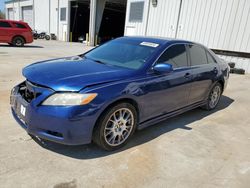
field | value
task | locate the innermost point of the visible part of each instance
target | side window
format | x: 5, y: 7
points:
x: 4, y: 24
x: 210, y: 59
x: 18, y: 25
x: 175, y: 55
x: 198, y: 55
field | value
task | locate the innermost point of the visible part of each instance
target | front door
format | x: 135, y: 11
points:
x: 168, y: 92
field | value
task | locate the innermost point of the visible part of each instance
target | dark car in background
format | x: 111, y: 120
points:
x: 107, y: 93
x: 16, y: 33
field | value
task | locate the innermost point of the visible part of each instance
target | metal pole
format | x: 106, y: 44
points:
x: 92, y: 22
x: 87, y: 39
x: 19, y: 11
x: 13, y: 11
x: 58, y: 19
x: 70, y: 37
x: 33, y: 8
x: 146, y: 27
x: 178, y: 19
x: 49, y: 15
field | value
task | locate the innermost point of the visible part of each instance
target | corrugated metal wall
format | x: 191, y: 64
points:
x: 218, y: 24
x: 162, y: 19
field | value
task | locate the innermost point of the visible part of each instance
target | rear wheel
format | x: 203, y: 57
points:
x: 47, y: 37
x: 18, y: 41
x: 116, y: 126
x: 214, y: 97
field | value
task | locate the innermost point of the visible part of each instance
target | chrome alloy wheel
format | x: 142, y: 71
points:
x: 118, y: 127
x: 214, y: 96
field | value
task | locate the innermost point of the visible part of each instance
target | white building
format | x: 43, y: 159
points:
x: 222, y: 25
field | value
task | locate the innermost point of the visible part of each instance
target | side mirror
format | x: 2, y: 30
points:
x: 163, y: 68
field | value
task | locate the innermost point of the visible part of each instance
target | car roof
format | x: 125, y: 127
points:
x: 158, y: 40
x: 13, y: 21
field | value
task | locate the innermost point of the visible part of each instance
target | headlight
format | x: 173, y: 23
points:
x: 69, y: 99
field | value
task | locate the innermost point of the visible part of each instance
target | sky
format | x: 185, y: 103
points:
x: 2, y: 5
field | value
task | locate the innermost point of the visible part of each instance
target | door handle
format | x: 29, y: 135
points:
x: 187, y: 75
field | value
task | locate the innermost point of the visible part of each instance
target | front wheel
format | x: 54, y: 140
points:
x: 214, y: 97
x: 115, y: 126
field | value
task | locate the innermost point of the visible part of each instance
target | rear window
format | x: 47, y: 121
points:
x: 210, y: 59
x: 4, y: 24
x: 18, y: 25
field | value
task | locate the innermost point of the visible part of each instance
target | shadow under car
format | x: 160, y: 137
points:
x: 140, y: 137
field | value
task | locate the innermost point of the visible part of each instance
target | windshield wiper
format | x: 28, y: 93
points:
x: 98, y: 61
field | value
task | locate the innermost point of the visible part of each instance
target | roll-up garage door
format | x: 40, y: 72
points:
x: 27, y: 15
x: 10, y: 14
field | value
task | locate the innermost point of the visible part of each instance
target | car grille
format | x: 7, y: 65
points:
x: 28, y: 91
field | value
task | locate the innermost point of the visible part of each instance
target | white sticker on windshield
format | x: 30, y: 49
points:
x: 150, y: 44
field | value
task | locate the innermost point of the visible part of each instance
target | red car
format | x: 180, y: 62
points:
x: 15, y: 33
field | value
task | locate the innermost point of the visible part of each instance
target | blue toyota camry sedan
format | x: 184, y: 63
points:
x: 104, y: 95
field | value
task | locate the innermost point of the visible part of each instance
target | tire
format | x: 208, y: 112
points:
x: 18, y: 41
x: 112, y: 130
x: 231, y: 64
x: 47, y: 37
x: 53, y: 37
x: 213, y: 99
x: 239, y: 71
x: 232, y: 70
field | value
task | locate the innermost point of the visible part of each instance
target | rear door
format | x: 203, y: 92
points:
x: 204, y: 72
x: 21, y: 29
x: 5, y: 31
x: 168, y: 92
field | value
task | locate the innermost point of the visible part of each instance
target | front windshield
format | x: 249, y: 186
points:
x: 122, y: 53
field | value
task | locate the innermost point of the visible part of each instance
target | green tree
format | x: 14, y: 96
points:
x: 2, y: 15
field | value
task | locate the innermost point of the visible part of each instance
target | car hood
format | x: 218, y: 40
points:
x: 73, y: 73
